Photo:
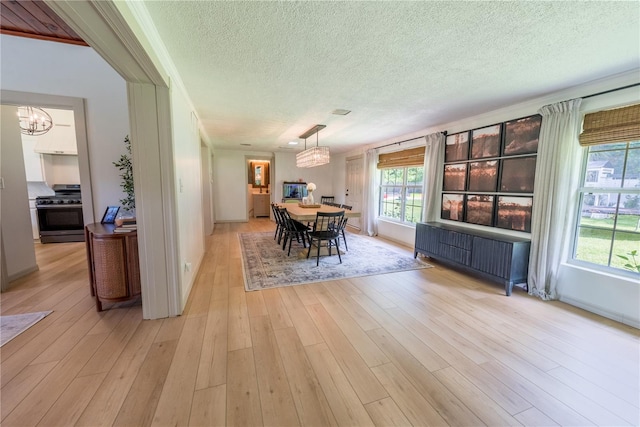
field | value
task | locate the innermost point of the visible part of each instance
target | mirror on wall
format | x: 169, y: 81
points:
x: 258, y: 174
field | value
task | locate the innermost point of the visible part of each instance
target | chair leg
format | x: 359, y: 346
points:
x: 338, y: 250
x: 345, y: 240
x: 310, y: 245
x: 318, y: 253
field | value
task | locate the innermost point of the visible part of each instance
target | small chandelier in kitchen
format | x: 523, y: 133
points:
x: 314, y: 156
x: 34, y: 121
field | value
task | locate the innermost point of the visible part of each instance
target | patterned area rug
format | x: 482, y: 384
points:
x: 12, y: 326
x: 266, y: 265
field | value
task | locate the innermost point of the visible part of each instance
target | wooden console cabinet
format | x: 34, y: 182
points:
x: 504, y: 259
x: 114, y: 270
x: 261, y: 205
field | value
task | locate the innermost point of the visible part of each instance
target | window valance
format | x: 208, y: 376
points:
x: 404, y: 158
x: 609, y: 126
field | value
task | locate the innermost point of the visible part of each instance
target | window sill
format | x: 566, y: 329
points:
x: 396, y: 222
x: 613, y: 273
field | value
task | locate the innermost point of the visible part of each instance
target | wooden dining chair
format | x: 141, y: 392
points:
x: 292, y: 230
x: 279, y: 222
x: 325, y: 200
x: 326, y: 229
x: 344, y: 225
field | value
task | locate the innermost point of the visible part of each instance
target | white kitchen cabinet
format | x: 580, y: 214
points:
x: 33, y: 165
x: 34, y: 219
x: 61, y: 139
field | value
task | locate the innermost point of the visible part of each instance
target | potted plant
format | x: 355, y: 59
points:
x: 125, y: 167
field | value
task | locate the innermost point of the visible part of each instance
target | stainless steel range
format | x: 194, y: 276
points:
x: 60, y: 216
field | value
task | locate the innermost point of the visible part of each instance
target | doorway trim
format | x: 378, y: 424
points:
x: 10, y: 97
x: 112, y: 30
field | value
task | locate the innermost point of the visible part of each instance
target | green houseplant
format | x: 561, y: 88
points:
x: 125, y: 167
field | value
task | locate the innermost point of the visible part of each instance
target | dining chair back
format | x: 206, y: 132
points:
x: 279, y: 222
x: 327, y: 228
x: 292, y: 229
x: 326, y: 199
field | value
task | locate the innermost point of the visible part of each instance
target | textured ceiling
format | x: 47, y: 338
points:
x: 262, y: 73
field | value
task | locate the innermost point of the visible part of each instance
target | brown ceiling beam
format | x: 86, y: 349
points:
x: 42, y: 37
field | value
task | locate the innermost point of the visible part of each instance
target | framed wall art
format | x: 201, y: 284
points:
x: 455, y: 177
x: 518, y: 174
x: 514, y: 213
x: 521, y: 135
x: 453, y: 207
x: 479, y: 209
x: 456, y: 147
x: 483, y: 176
x: 485, y: 142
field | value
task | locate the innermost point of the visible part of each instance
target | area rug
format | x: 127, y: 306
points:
x: 266, y: 265
x: 12, y: 326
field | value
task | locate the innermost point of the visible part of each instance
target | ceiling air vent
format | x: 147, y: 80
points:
x: 340, y: 112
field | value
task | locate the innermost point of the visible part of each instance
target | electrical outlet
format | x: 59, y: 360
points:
x: 187, y: 267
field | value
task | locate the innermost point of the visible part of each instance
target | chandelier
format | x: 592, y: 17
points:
x: 34, y: 121
x: 315, y: 156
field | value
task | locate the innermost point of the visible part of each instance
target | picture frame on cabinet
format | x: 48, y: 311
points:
x: 110, y: 215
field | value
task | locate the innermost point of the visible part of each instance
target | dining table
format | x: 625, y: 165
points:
x: 308, y: 214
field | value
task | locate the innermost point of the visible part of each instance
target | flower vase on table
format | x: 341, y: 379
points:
x: 310, y: 187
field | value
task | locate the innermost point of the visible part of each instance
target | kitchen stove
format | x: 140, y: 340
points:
x: 60, y: 216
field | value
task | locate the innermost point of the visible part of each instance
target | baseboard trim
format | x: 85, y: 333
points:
x: 602, y: 312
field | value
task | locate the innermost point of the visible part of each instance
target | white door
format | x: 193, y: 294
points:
x: 353, y: 194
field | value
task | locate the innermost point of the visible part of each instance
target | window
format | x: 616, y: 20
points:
x: 401, y: 193
x: 609, y: 224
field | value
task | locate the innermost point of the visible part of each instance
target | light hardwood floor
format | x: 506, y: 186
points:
x: 425, y: 347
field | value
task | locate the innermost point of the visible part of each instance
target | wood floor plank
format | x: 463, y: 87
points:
x: 175, y: 401
x: 429, y: 358
x: 342, y: 398
x: 212, y: 369
x: 341, y: 296
x: 303, y: 323
x: 534, y: 418
x: 482, y: 405
x: 70, y: 405
x: 545, y: 402
x: 385, y: 413
x: 209, y: 407
x: 36, y: 404
x: 239, y: 332
x: 106, y: 403
x: 311, y: 402
x: 243, y: 398
x: 255, y: 304
x: 349, y: 327
x: 355, y: 368
x: 450, y: 407
x: 417, y: 410
x: 141, y: 402
x: 21, y: 385
x: 276, y: 308
x: 275, y: 395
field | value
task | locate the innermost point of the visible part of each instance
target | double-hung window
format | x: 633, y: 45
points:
x: 609, y: 224
x: 401, y: 182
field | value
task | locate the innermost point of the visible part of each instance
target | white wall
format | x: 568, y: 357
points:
x: 186, y: 149
x: 609, y: 295
x: 75, y: 71
x: 14, y: 200
x: 286, y: 170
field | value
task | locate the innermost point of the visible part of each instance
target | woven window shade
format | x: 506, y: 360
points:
x: 410, y: 157
x: 606, y: 127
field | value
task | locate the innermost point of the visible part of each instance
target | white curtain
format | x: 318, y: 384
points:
x: 555, y: 204
x: 433, y: 159
x: 370, y: 196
